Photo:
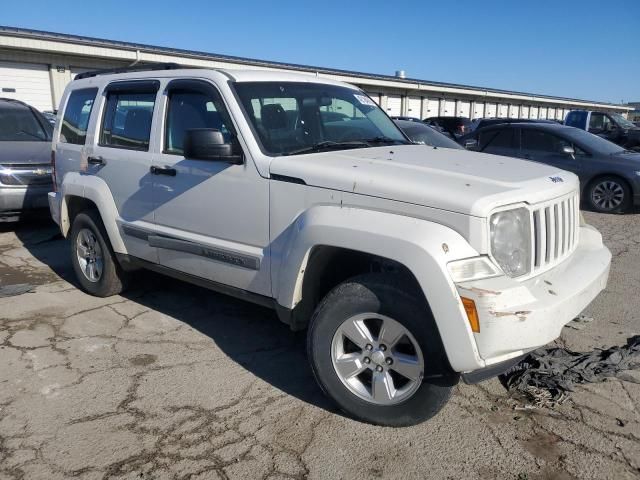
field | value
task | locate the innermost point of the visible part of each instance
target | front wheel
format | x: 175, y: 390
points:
x: 609, y: 195
x: 375, y: 350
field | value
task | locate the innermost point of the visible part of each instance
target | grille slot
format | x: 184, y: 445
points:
x: 555, y: 232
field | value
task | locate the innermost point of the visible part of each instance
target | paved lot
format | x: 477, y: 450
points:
x: 172, y: 381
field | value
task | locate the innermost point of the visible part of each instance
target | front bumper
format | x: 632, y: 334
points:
x: 14, y: 200
x: 519, y: 316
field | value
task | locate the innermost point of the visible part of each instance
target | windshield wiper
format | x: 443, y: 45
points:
x: 385, y: 140
x: 31, y: 134
x: 328, y: 145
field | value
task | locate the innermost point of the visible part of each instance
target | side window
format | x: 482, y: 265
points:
x: 576, y: 119
x: 536, y: 140
x: 76, y: 116
x: 188, y: 110
x: 599, y: 122
x: 127, y: 120
x: 493, y: 139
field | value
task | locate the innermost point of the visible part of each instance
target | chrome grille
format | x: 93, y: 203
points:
x: 25, y: 174
x: 555, y: 231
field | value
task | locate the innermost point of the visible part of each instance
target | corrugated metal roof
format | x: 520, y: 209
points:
x: 91, y: 41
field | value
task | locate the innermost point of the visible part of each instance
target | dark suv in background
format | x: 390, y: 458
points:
x: 609, y: 174
x: 25, y: 159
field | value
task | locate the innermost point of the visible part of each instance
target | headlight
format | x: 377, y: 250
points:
x: 511, y: 241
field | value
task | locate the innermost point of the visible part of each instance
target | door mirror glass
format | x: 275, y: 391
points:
x: 209, y: 144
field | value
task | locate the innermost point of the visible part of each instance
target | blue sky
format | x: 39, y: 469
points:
x: 582, y: 49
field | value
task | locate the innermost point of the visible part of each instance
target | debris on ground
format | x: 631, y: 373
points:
x: 546, y: 375
x: 14, y: 290
x: 579, y: 322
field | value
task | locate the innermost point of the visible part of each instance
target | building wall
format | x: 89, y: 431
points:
x: 62, y: 59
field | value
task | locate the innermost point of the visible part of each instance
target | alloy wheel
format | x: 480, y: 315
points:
x: 607, y: 195
x: 89, y: 255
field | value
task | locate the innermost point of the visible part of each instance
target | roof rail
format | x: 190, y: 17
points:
x: 136, y: 68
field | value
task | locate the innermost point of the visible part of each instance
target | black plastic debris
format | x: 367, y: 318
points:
x: 13, y: 290
x: 546, y: 374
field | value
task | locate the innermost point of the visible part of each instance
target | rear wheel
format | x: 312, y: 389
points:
x: 93, y: 259
x: 609, y: 194
x: 375, y: 350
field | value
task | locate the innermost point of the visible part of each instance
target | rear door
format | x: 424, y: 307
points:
x: 498, y: 141
x: 121, y: 156
x: 545, y: 147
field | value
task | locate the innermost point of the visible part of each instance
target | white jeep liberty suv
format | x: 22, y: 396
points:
x: 410, y: 265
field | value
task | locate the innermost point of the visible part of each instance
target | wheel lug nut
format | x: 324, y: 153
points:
x: 379, y: 368
x: 369, y: 346
x: 389, y: 361
x: 383, y: 348
x: 366, y: 360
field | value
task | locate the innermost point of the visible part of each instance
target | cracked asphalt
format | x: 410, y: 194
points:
x: 173, y: 381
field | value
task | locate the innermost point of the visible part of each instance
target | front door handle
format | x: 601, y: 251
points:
x: 96, y: 161
x: 163, y: 171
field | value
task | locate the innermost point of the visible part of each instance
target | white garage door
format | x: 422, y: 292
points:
x: 543, y: 113
x: 414, y: 107
x: 503, y: 110
x: 524, y: 111
x: 491, y: 110
x: 562, y: 112
x: 394, y: 105
x: 464, y: 109
x: 448, y: 108
x: 375, y: 97
x: 433, y: 106
x: 551, y: 113
x: 27, y: 82
x: 478, y: 110
x: 514, y: 111
x: 534, y: 112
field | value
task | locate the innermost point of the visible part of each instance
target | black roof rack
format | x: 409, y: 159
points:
x: 135, y: 68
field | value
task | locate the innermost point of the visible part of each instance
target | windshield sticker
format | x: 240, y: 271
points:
x: 365, y: 100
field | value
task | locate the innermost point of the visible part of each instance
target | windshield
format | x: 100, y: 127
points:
x: 591, y: 142
x: 19, y: 124
x: 623, y: 122
x: 298, y: 117
x: 425, y: 135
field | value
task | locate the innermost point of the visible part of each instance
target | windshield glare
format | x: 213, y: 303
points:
x: 593, y: 143
x: 291, y: 116
x: 623, y: 122
x: 19, y: 124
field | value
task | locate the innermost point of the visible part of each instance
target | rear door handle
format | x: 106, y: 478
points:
x: 163, y: 171
x: 96, y: 161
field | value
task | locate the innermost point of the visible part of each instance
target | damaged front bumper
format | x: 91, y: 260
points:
x: 519, y: 316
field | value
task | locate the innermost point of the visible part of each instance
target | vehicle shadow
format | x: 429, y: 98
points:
x: 250, y: 335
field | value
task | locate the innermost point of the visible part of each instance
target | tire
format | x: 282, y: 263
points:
x: 609, y: 194
x: 108, y: 278
x: 378, y: 300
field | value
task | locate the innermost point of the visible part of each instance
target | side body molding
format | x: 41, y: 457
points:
x: 423, y: 247
x: 95, y: 189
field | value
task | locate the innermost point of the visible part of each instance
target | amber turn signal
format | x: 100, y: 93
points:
x: 472, y: 314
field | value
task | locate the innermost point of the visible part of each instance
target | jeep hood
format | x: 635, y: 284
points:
x: 36, y: 153
x: 456, y: 180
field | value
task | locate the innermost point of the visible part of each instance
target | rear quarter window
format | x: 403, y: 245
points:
x: 76, y: 116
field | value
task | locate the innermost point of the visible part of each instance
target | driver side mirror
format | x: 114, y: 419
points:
x: 209, y: 144
x: 471, y: 144
x: 568, y: 150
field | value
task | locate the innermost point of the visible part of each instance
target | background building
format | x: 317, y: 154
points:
x: 36, y: 66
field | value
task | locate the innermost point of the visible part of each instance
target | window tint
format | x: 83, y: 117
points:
x: 502, y: 138
x: 189, y: 110
x: 599, y: 121
x: 76, y: 116
x: 540, y: 141
x: 127, y: 120
x: 18, y: 123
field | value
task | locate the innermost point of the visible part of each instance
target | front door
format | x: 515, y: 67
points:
x: 544, y: 147
x: 211, y: 216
